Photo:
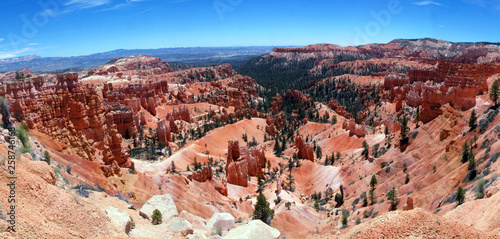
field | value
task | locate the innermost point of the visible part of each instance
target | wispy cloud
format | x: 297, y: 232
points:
x: 1, y: 39
x: 127, y: 3
x: 141, y: 12
x: 10, y: 54
x: 74, y: 5
x: 425, y: 3
x: 33, y: 44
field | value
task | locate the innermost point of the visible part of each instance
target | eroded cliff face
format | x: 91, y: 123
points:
x: 80, y: 115
x: 244, y: 162
x: 305, y: 150
x: 451, y: 83
x: 202, y: 175
x: 68, y: 111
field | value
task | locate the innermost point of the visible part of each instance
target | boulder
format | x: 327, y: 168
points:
x: 164, y: 203
x: 196, y: 221
x: 122, y: 219
x: 181, y: 225
x: 255, y: 229
x: 224, y: 220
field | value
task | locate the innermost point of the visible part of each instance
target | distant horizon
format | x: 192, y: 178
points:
x: 249, y: 46
x: 63, y: 28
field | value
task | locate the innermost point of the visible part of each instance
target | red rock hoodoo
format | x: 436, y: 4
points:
x: 305, y: 150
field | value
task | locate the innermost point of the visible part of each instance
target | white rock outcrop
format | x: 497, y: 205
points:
x: 121, y: 218
x: 224, y: 220
x: 164, y: 203
x: 255, y: 229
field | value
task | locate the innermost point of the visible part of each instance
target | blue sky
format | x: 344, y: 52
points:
x: 80, y: 27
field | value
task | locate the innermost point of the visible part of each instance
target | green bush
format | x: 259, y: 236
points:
x: 358, y: 221
x: 46, y: 157
x: 219, y: 230
x: 460, y: 195
x: 23, y: 136
x: 480, y: 188
x: 262, y: 210
x: 133, y: 223
x: 156, y: 218
x: 392, y: 197
x: 345, y: 215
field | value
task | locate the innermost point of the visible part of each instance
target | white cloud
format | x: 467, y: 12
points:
x: 425, y: 3
x: 10, y: 54
x: 33, y: 44
x: 74, y: 5
x: 1, y: 39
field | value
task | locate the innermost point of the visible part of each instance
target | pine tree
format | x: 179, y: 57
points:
x: 417, y: 116
x: 465, y: 152
x: 494, y: 92
x: 392, y: 197
x: 404, y: 127
x: 373, y: 181
x: 460, y: 195
x: 373, y: 198
x: 277, y: 147
x: 262, y: 210
x: 366, y: 149
x: 473, y: 119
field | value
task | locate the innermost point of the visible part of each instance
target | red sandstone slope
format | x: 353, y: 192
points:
x: 90, y: 123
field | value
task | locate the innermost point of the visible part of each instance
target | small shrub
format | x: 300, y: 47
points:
x: 219, y: 230
x: 156, y: 218
x: 358, y: 221
x: 388, y: 169
x: 355, y: 202
x: 68, y: 168
x: 316, y: 204
x: 383, y: 164
x: 480, y: 188
x: 460, y: 195
x: 133, y: 223
x: 131, y: 169
x: 345, y: 216
x: 288, y: 204
x: 46, y: 157
x: 407, y: 178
